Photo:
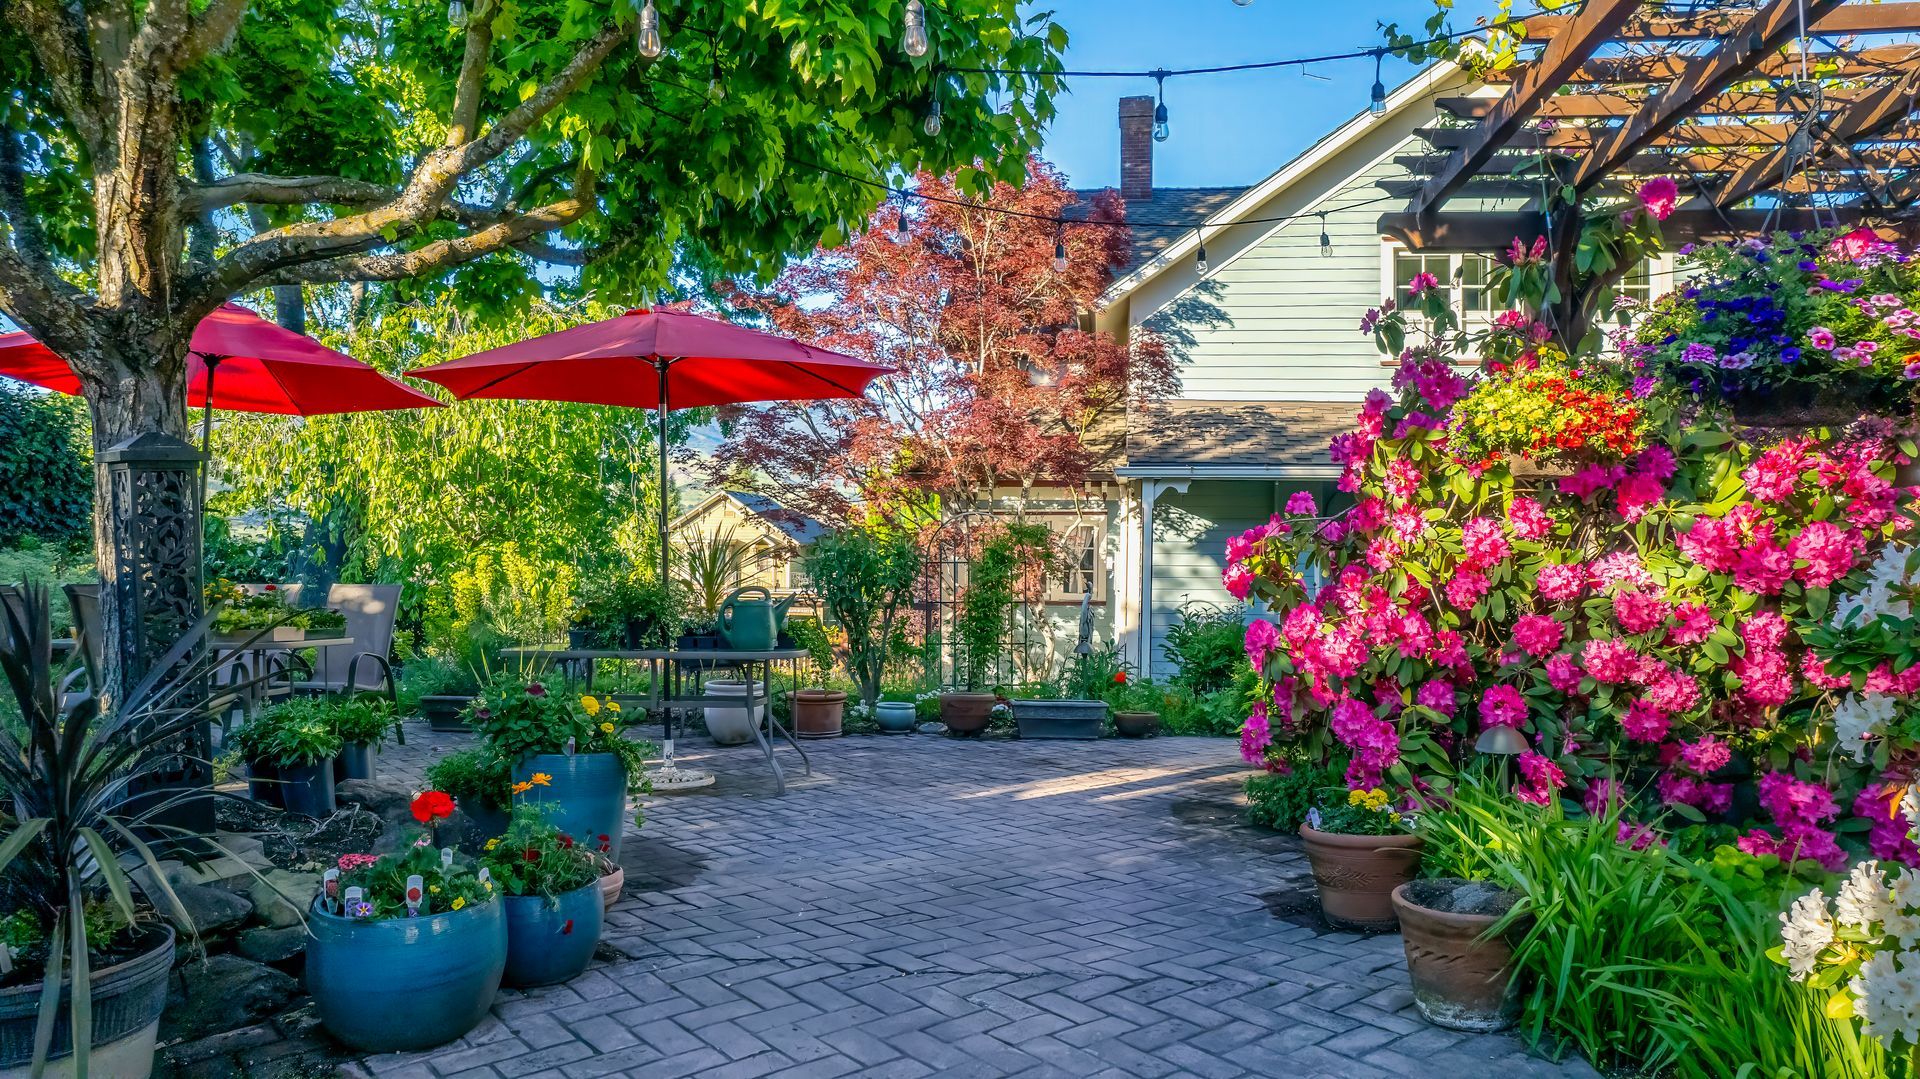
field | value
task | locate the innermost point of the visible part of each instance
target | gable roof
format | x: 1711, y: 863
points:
x: 1167, y: 204
x: 790, y: 523
x: 1239, y: 437
x: 1181, y: 243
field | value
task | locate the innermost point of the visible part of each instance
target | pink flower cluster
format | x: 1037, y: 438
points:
x: 1540, y: 779
x: 1798, y: 807
x: 1374, y: 742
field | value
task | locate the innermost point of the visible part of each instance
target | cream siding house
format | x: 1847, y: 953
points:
x: 1273, y: 364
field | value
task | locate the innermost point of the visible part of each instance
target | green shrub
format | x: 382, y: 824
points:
x: 46, y: 466
x: 290, y: 734
x: 1209, y: 644
x: 1215, y: 714
x: 474, y: 777
x: 1280, y: 800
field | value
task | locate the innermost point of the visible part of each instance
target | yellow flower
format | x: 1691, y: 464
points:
x: 1354, y: 798
x: 433, y: 889
x: 522, y: 788
x: 613, y: 705
x: 541, y: 779
x: 489, y: 884
x: 606, y: 728
x: 591, y: 706
x: 492, y: 843
x: 458, y: 901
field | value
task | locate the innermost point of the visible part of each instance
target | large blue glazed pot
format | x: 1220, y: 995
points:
x: 405, y: 984
x: 547, y: 945
x: 587, y: 797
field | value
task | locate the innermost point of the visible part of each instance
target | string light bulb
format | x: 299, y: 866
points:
x: 900, y: 232
x: 457, y: 15
x: 1379, y: 105
x: 1200, y: 256
x: 1162, y: 131
x: 915, y: 26
x: 932, y: 124
x: 1243, y: 3
x: 1059, y: 251
x: 646, y: 36
x: 1326, y: 241
x: 717, y: 82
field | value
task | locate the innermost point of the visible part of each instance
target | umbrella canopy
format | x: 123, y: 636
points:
x: 259, y: 367
x: 621, y: 361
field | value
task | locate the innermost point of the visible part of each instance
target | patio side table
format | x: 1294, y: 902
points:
x: 670, y: 670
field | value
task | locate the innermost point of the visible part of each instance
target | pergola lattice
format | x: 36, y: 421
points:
x: 1768, y: 113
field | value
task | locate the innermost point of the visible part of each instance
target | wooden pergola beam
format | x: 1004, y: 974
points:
x: 1878, y: 113
x: 1889, y: 18
x: 1614, y: 106
x: 1738, y: 53
x: 1580, y: 139
x: 1599, y: 20
x: 1488, y: 233
x: 1879, y: 60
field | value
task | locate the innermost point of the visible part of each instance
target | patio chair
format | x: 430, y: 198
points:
x: 360, y: 667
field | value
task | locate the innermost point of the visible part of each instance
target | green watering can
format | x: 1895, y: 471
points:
x: 751, y: 620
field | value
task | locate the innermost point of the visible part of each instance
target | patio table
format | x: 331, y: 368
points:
x: 669, y: 668
x: 257, y: 654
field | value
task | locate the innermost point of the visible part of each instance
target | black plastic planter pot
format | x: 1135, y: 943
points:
x: 354, y: 762
x: 444, y: 713
x: 307, y: 789
x: 127, y: 999
x: 263, y: 783
x: 1082, y: 720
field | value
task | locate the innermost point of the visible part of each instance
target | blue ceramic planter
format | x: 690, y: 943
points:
x: 487, y: 821
x: 587, y: 797
x: 405, y: 984
x: 894, y: 717
x: 547, y: 945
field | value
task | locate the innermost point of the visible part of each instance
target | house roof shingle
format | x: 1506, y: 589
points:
x: 798, y: 527
x: 1237, y: 433
x: 1168, y: 206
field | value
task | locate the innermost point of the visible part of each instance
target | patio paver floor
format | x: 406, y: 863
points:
x: 926, y: 906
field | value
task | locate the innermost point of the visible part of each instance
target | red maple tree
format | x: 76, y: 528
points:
x: 999, y: 389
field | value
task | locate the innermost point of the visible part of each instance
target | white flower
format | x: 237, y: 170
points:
x: 1806, y: 930
x: 1910, y: 806
x: 1887, y: 996
x: 1859, y: 718
x: 1903, y: 924
x: 1864, y: 899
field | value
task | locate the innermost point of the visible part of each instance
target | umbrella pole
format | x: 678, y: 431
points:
x: 661, y: 366
x: 206, y: 461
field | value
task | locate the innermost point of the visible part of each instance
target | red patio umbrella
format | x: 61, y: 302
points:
x: 658, y: 359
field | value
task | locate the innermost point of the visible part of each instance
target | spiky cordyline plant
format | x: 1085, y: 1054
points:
x: 68, y: 761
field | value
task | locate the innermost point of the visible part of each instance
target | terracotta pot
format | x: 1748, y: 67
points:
x: 1136, y: 724
x: 1358, y: 873
x: 817, y: 712
x: 967, y: 713
x: 611, y: 886
x: 1462, y: 979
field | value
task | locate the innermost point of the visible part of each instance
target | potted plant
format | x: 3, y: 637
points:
x: 550, y: 885
x: 981, y: 623
x: 1080, y: 712
x: 72, y: 916
x: 406, y: 951
x: 296, y: 742
x: 362, y: 722
x: 1360, y: 849
x: 439, y: 690
x: 480, y: 782
x: 864, y: 577
x: 565, y: 752
x: 1136, y: 705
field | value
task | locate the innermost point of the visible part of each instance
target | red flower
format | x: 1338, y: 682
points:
x: 567, y: 928
x: 566, y: 841
x: 605, y: 838
x: 430, y: 806
x: 1119, y: 678
x: 272, y: 588
x: 531, y: 855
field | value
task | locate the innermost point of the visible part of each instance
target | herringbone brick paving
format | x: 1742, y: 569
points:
x: 926, y: 906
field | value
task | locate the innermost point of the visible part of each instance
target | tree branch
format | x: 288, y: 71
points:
x: 209, y: 33
x: 473, y: 70
x: 439, y: 255
x: 59, y: 43
x: 42, y: 303
x: 28, y: 237
x: 256, y: 187
x: 264, y: 257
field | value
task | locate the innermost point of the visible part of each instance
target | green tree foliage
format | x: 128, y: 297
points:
x: 46, y: 470
x: 561, y: 491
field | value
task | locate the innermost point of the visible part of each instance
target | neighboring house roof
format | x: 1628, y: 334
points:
x: 1245, y: 202
x: 1167, y: 205
x: 1236, y: 438
x: 793, y: 524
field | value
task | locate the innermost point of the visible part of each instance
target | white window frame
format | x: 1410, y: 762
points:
x: 1660, y: 280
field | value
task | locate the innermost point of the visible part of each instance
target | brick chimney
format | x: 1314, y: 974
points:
x: 1136, y: 148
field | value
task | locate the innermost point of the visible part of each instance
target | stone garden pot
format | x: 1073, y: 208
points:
x: 1463, y: 979
x: 730, y: 725
x: 1358, y: 873
x: 1136, y: 724
x: 1082, y: 720
x: 405, y: 984
x: 894, y: 717
x: 354, y: 762
x: 967, y: 713
x: 551, y: 943
x: 307, y: 789
x: 127, y: 1000
x: 587, y: 797
x: 817, y: 713
x: 445, y: 713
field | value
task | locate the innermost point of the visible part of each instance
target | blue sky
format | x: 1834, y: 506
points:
x: 1227, y: 129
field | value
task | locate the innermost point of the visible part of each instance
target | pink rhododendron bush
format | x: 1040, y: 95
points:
x: 1708, y: 622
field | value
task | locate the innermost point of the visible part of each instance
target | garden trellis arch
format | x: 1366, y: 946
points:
x: 952, y: 548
